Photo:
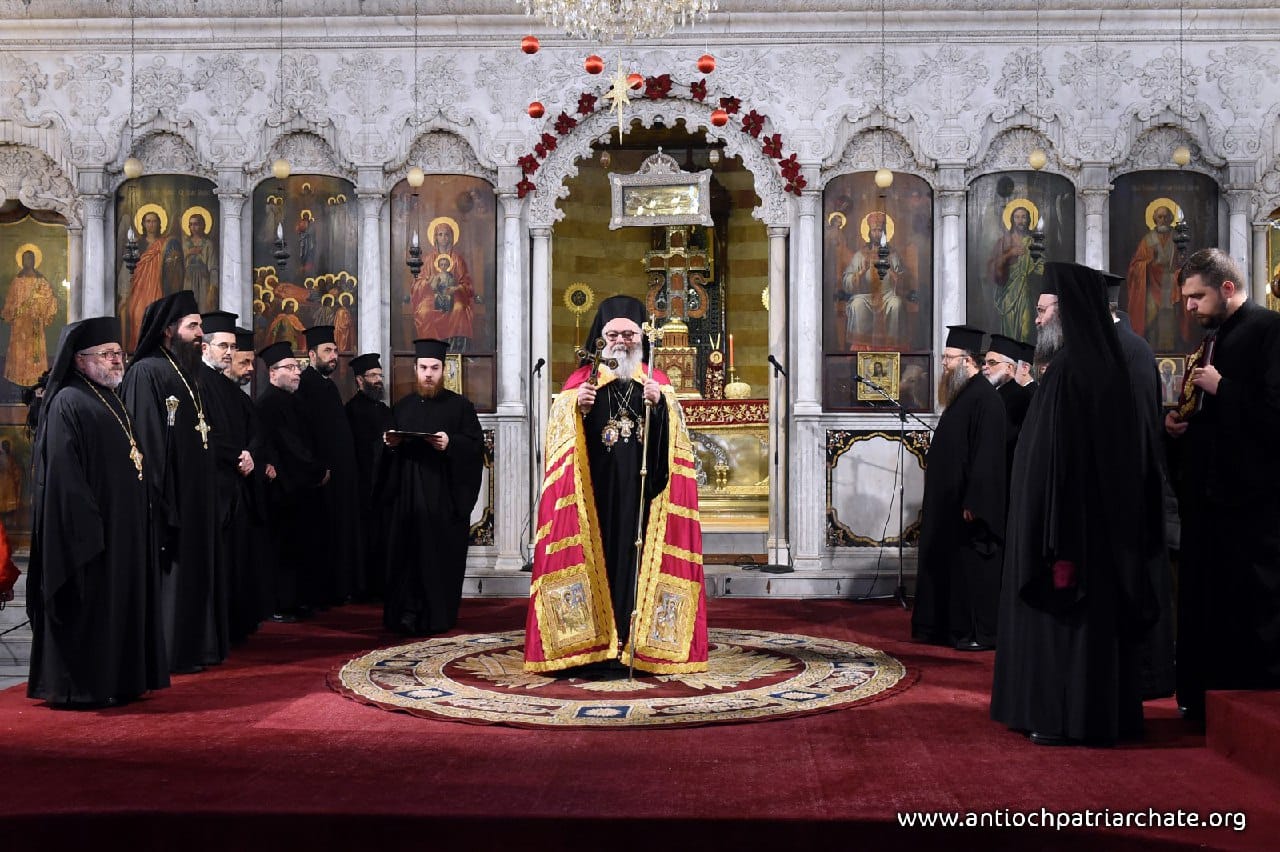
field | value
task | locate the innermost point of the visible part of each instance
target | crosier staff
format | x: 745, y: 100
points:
x: 654, y: 333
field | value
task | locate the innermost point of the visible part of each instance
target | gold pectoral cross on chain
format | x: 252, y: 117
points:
x: 135, y: 456
x: 204, y: 429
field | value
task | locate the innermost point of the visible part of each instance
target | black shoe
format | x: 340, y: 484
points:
x: 284, y: 618
x: 1048, y: 739
x: 973, y: 645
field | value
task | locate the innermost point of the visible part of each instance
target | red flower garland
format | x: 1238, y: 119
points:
x: 656, y: 88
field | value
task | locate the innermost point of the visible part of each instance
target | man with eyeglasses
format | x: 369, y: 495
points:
x: 962, y: 515
x: 294, y: 473
x: 583, y: 596
x: 369, y: 417
x: 1000, y: 366
x: 93, y: 579
x: 170, y: 414
x: 233, y: 431
x: 337, y: 570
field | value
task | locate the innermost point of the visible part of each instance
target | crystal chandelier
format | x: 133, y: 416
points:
x: 626, y: 20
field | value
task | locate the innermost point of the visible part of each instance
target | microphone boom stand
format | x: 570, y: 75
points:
x: 900, y: 591
x: 535, y: 465
x: 774, y: 568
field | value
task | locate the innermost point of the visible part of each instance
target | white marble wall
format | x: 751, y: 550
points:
x: 223, y: 87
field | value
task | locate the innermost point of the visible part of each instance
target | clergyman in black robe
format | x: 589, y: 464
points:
x: 162, y: 394
x: 962, y: 516
x: 234, y: 467
x: 93, y: 587
x: 432, y: 480
x: 295, y: 475
x: 1155, y: 652
x: 1229, y: 497
x: 338, y: 555
x: 369, y: 418
x: 1076, y: 597
x: 1000, y: 366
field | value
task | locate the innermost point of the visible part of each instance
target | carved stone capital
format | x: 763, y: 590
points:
x: 951, y: 202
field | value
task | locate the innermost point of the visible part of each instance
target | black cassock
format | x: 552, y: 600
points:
x: 180, y: 471
x: 1155, y: 653
x: 369, y: 418
x: 1066, y: 664
x: 292, y: 498
x: 337, y: 559
x: 430, y: 495
x: 1229, y: 500
x: 958, y: 582
x: 231, y: 414
x: 1016, y: 399
x: 615, y: 479
x: 93, y: 586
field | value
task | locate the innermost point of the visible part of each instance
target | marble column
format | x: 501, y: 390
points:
x: 1238, y: 239
x: 1260, y: 274
x: 512, y: 437
x: 540, y: 304
x: 778, y: 544
x: 235, y: 289
x: 1095, y: 206
x: 97, y: 298
x: 805, y: 510
x: 372, y: 333
x: 75, y: 273
x: 807, y: 317
x: 951, y: 301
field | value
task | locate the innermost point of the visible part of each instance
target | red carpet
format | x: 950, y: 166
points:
x: 259, y: 754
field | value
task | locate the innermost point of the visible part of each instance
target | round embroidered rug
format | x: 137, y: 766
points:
x: 753, y: 675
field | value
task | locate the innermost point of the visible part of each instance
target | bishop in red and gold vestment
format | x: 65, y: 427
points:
x: 585, y: 559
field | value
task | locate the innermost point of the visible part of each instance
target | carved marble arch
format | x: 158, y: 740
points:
x: 33, y: 178
x: 561, y: 164
x: 1269, y: 191
x: 873, y: 148
x: 163, y: 152
x: 1152, y: 148
x: 1009, y: 150
x: 442, y: 151
x: 307, y: 153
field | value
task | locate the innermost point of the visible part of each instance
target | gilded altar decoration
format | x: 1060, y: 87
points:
x: 660, y: 193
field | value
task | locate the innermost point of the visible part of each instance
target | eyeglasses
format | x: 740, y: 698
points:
x: 224, y: 345
x: 107, y: 354
x: 289, y: 367
x: 992, y: 362
x: 621, y: 335
x: 947, y: 359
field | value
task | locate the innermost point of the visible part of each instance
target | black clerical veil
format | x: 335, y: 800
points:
x: 158, y: 316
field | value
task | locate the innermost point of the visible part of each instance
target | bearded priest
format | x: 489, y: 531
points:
x: 585, y: 557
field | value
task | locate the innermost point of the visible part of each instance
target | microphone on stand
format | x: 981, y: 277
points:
x: 776, y: 365
x: 537, y: 368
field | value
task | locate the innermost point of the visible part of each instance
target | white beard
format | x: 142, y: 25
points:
x: 628, y: 362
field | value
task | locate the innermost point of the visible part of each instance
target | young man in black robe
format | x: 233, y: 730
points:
x: 174, y: 434
x: 234, y: 466
x: 93, y: 587
x: 294, y: 476
x: 432, y: 481
x: 1075, y: 597
x: 338, y: 559
x: 1155, y: 653
x: 258, y: 593
x: 962, y: 516
x: 369, y: 418
x: 1229, y: 573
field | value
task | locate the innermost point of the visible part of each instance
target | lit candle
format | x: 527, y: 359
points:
x: 414, y: 241
x: 731, y: 350
x: 280, y: 233
x: 132, y: 237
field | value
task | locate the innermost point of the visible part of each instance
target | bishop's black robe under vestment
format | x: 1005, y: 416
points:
x: 430, y: 494
x: 958, y: 581
x: 180, y: 471
x: 369, y: 418
x: 1016, y: 398
x: 292, y: 499
x: 1066, y: 663
x: 93, y: 583
x: 337, y: 560
x: 1229, y: 500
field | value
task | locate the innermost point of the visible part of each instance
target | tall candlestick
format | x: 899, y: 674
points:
x: 731, y: 350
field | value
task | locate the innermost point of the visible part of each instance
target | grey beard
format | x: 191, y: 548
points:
x: 952, y: 383
x: 212, y: 366
x: 628, y: 364
x: 998, y: 380
x: 1048, y: 341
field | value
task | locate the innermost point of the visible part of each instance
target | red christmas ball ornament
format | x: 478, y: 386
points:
x: 530, y: 44
x: 635, y: 80
x: 536, y: 109
x: 719, y: 117
x: 594, y: 64
x: 706, y: 63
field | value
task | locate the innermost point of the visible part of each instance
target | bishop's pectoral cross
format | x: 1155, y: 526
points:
x: 204, y: 429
